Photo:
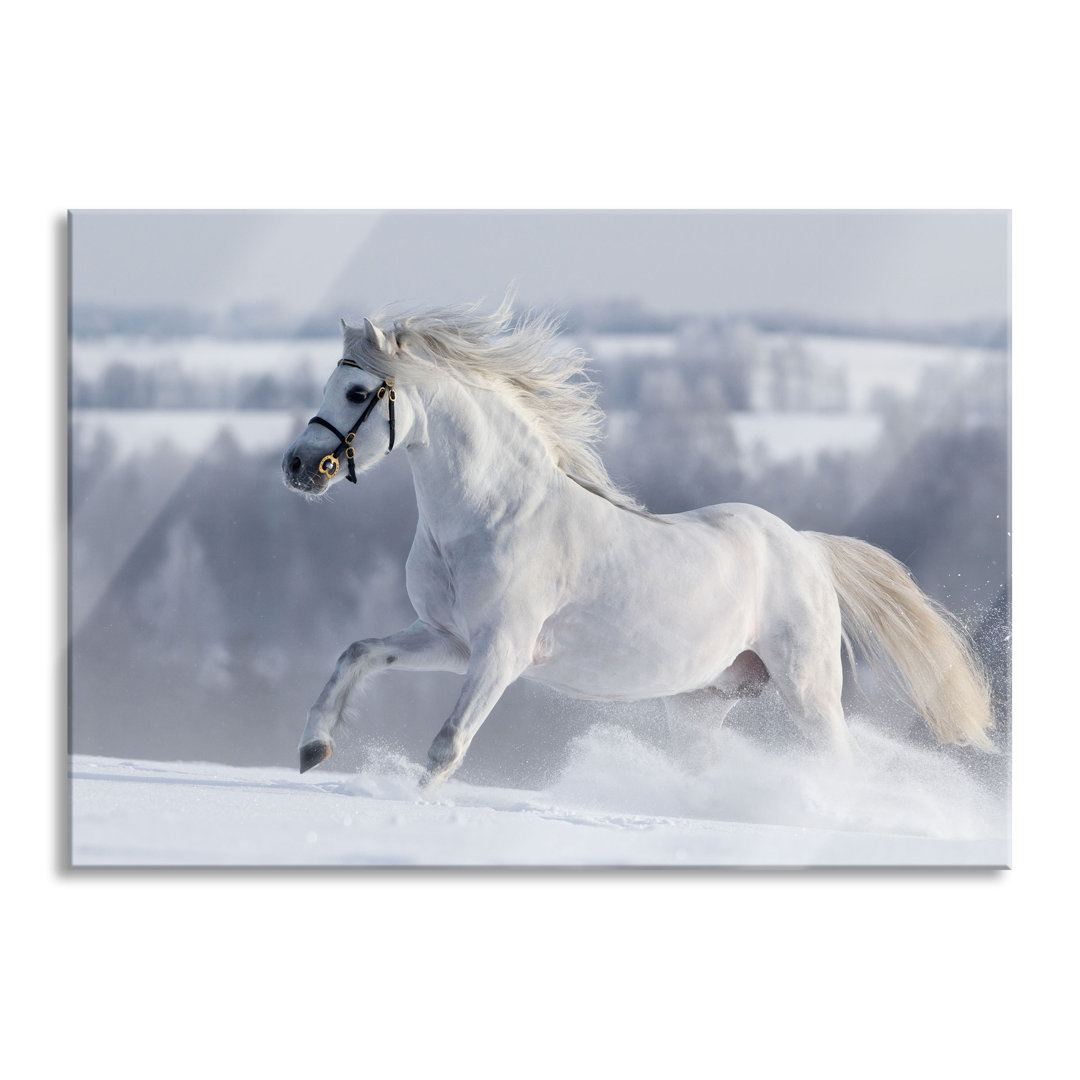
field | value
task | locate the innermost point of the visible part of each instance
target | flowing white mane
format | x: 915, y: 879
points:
x: 519, y: 357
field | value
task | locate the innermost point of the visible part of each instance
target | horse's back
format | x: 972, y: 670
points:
x: 723, y: 514
x: 739, y: 520
x: 787, y: 564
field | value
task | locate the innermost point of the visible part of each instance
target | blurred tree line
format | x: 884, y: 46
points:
x: 260, y: 320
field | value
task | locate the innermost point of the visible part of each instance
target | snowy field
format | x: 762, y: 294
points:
x: 899, y: 366
x: 189, y: 431
x: 868, y: 363
x: 780, y: 436
x: 618, y: 802
x: 204, y: 357
x: 802, y: 436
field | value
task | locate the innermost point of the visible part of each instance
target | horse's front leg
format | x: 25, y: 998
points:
x: 496, y: 661
x: 420, y: 647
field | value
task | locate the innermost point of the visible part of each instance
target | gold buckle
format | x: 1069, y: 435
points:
x: 329, y: 471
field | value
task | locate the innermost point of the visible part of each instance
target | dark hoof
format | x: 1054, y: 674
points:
x: 314, y: 753
x: 432, y: 779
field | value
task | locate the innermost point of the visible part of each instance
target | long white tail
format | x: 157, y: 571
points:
x: 910, y: 641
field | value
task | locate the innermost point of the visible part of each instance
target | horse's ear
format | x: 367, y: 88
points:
x: 374, y: 336
x: 344, y: 327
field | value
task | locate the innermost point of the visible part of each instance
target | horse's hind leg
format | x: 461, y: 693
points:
x: 692, y: 720
x: 694, y: 717
x: 419, y: 647
x: 806, y: 669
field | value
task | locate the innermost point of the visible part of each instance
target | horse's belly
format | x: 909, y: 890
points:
x: 634, y: 659
x: 664, y: 612
x: 607, y: 685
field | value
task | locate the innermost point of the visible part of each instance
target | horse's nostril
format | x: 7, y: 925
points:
x: 294, y: 465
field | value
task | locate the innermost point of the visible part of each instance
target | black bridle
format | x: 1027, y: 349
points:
x: 329, y: 464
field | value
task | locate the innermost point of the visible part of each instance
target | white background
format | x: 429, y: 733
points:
x: 844, y: 105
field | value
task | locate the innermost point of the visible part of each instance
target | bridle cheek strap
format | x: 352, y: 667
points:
x: 329, y: 464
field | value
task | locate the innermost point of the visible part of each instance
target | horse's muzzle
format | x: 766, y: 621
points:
x: 301, y: 477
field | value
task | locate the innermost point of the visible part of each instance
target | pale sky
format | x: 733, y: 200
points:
x: 903, y: 266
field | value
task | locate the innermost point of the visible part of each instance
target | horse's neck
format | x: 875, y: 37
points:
x: 478, y: 461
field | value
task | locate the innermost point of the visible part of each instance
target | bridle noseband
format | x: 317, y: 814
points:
x: 329, y: 464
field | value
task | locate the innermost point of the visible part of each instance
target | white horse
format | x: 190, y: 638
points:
x: 529, y: 562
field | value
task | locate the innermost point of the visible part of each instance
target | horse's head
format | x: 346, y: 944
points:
x: 359, y: 420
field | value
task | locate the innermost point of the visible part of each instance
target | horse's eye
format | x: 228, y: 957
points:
x: 357, y: 395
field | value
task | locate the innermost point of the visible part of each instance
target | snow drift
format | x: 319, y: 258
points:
x: 618, y: 801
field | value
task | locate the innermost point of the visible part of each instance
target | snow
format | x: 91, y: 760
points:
x: 611, y: 348
x: 190, y: 431
x: 871, y: 364
x: 204, y: 356
x: 618, y: 802
x: 783, y: 436
x: 802, y: 435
